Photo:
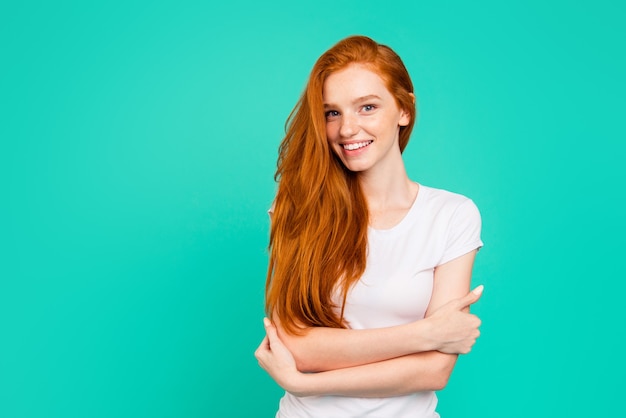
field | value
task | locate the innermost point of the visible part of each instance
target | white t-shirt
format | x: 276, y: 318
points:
x: 395, y: 289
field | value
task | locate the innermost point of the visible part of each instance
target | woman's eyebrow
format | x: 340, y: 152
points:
x: 355, y: 101
x: 366, y: 98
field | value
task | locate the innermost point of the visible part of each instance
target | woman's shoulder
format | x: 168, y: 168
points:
x: 446, y: 206
x: 443, y: 198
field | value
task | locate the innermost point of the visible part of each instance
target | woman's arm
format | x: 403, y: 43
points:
x: 394, y: 377
x: 391, y: 377
x: 449, y: 330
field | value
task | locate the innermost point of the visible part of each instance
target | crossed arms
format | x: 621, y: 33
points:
x: 381, y: 362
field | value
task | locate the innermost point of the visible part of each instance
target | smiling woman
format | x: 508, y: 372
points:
x: 369, y: 274
x: 363, y: 119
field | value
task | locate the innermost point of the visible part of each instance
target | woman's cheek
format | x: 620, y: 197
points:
x: 329, y: 133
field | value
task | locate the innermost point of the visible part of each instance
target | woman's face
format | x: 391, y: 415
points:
x: 362, y: 119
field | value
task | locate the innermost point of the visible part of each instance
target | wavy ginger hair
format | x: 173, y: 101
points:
x: 318, y: 239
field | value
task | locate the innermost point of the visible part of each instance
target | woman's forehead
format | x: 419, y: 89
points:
x: 352, y: 83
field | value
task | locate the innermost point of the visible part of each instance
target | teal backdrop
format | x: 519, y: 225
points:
x: 139, y: 142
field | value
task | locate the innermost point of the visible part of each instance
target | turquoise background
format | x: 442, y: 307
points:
x: 138, y: 147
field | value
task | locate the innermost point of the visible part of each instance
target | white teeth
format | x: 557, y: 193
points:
x: 357, y: 145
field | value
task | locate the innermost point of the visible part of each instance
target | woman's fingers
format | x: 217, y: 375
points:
x: 263, y: 348
x: 271, y: 345
x: 471, y: 297
x: 457, y: 329
x: 478, y: 290
x: 274, y: 357
x: 270, y: 331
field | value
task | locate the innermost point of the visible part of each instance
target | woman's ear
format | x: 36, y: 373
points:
x: 405, y: 117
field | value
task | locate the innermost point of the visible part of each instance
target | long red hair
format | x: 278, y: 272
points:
x: 318, y: 239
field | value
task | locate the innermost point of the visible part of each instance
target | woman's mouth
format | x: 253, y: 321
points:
x: 356, y: 145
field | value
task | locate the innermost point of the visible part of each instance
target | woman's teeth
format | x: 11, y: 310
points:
x: 356, y: 145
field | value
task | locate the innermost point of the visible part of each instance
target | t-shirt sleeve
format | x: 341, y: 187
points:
x: 463, y: 234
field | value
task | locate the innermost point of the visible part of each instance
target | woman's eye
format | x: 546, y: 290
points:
x: 369, y: 108
x: 331, y: 114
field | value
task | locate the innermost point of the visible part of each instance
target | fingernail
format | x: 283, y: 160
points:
x: 266, y: 322
x: 478, y: 290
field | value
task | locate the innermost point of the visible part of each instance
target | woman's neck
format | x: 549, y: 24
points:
x: 389, y: 196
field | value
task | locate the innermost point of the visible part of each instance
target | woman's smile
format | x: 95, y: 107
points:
x: 354, y: 146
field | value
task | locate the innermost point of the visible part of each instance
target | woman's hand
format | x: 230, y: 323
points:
x: 278, y: 362
x: 454, y: 329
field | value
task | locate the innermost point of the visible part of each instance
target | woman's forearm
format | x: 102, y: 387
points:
x: 395, y: 377
x: 323, y: 349
x: 448, y: 329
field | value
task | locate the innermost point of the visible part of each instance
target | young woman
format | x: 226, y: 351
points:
x: 369, y: 272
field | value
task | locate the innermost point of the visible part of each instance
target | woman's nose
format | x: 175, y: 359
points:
x: 349, y: 126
